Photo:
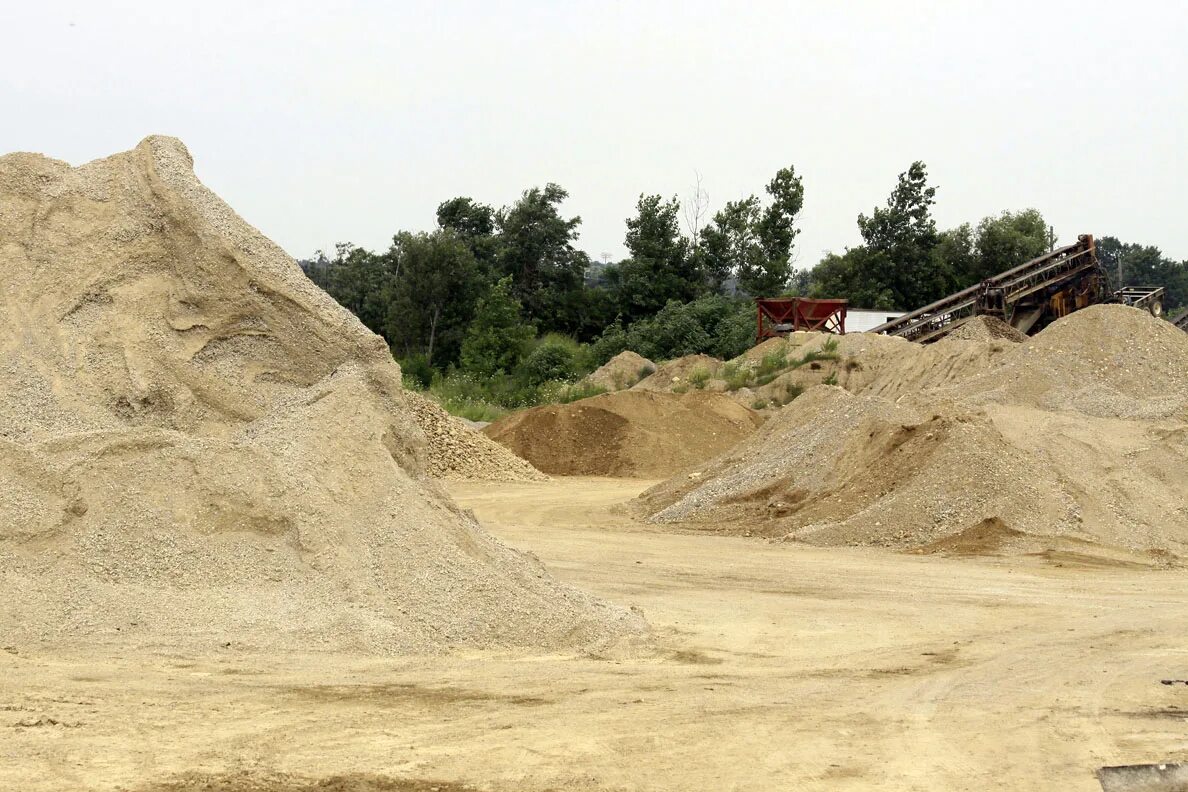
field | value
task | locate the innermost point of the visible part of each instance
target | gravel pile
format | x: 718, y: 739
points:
x: 198, y: 447
x: 1076, y: 433
x: 457, y: 451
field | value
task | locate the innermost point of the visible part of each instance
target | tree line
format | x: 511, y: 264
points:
x: 476, y: 293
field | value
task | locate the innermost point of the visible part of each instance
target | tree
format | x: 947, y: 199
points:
x: 660, y: 268
x: 496, y: 338
x: 856, y: 275
x: 730, y: 243
x: 1008, y: 240
x: 474, y: 224
x: 536, y: 250
x: 434, y: 293
x: 904, y: 233
x: 359, y: 280
x: 776, y: 232
x: 1145, y: 265
x: 753, y: 243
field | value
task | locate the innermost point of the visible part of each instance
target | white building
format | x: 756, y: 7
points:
x: 860, y: 320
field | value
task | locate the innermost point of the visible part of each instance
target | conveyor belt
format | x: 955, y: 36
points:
x: 1018, y: 295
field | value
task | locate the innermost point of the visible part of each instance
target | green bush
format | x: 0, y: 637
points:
x: 698, y: 378
x: 553, y: 358
x: 581, y: 390
x: 831, y: 379
x: 417, y: 372
x: 759, y: 404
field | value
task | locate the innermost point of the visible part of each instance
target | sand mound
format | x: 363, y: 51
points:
x: 199, y: 446
x: 621, y: 372
x: 1076, y: 434
x: 644, y: 434
x: 457, y: 451
x: 675, y: 373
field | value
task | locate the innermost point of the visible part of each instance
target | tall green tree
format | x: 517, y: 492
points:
x: 753, y: 243
x: 474, y: 224
x: 660, y: 267
x: 437, y: 282
x: 360, y: 281
x: 904, y: 232
x: 536, y: 248
x: 498, y: 335
x: 1145, y: 265
x: 1007, y: 240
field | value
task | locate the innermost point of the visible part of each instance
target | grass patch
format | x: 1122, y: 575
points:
x: 581, y: 390
x: 759, y: 404
x: 831, y: 379
x: 698, y: 378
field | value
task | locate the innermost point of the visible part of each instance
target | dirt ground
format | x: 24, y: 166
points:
x: 780, y: 667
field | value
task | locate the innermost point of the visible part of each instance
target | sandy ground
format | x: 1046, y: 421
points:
x: 780, y: 667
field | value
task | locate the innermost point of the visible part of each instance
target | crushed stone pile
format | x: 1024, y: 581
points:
x: 198, y: 447
x: 621, y: 372
x: 640, y: 434
x: 457, y: 451
x: 986, y: 328
x: 1074, y: 438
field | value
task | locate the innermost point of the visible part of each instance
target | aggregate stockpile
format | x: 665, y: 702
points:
x: 198, y: 446
x: 1079, y: 433
x: 632, y: 433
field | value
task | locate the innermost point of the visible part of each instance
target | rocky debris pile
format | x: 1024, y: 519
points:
x: 457, y: 451
x: 1076, y: 435
x: 198, y: 447
x: 639, y: 434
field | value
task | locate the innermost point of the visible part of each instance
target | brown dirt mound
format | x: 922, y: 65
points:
x: 1077, y: 433
x: 457, y: 451
x: 675, y: 373
x: 643, y: 434
x: 621, y: 372
x: 199, y: 447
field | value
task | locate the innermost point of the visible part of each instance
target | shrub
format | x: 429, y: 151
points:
x: 553, y: 358
x: 831, y: 379
x: 417, y: 373
x: 582, y: 390
x: 698, y: 378
x: 759, y: 404
x: 680, y: 389
x: 772, y: 362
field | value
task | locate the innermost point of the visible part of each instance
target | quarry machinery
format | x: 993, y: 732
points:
x: 1180, y: 320
x: 778, y: 316
x: 1027, y: 297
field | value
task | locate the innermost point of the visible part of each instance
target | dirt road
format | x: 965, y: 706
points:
x: 780, y: 667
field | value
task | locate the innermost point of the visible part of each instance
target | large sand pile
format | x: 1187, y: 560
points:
x: 199, y: 446
x: 457, y: 451
x: 1077, y: 433
x: 644, y: 434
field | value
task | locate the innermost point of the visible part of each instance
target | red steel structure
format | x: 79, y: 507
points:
x: 781, y: 315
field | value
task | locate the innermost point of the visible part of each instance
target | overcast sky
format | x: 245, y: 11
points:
x: 330, y: 121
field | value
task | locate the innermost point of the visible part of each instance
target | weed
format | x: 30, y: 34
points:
x: 580, y: 390
x: 698, y: 378
x: 758, y: 404
x: 680, y: 388
x: 831, y: 379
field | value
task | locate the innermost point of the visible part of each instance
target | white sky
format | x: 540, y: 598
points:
x: 327, y: 121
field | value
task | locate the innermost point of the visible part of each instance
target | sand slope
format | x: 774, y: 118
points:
x: 198, y: 445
